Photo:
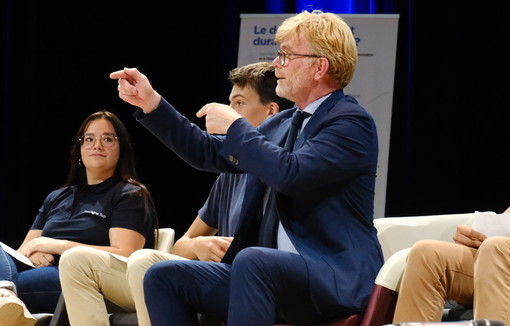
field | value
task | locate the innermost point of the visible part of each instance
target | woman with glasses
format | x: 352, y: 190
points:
x: 102, y: 205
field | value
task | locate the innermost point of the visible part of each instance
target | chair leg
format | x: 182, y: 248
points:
x: 60, y: 315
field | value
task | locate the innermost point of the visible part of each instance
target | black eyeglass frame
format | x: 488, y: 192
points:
x: 282, y: 56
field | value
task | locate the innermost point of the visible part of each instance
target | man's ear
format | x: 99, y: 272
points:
x: 273, y: 108
x: 322, y: 67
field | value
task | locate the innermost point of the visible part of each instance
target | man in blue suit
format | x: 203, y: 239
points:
x: 317, y: 254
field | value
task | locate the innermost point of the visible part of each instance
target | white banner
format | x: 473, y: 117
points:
x: 372, y: 84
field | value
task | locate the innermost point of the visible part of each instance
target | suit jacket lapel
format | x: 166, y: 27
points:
x: 312, y: 125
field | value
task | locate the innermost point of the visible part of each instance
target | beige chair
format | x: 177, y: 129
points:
x: 118, y: 316
x: 166, y: 239
x: 398, y: 234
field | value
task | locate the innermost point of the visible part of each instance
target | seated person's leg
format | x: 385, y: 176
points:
x: 435, y: 271
x: 39, y: 288
x: 265, y: 278
x: 138, y: 264
x: 178, y: 289
x: 88, y: 276
x: 492, y: 280
x: 12, y: 310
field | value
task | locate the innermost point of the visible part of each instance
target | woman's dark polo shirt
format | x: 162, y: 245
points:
x: 86, y: 213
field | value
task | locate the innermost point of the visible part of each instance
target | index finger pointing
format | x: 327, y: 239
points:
x: 118, y: 74
x: 124, y: 73
x: 202, y: 112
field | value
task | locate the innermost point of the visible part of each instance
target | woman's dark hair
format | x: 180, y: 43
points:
x: 125, y: 169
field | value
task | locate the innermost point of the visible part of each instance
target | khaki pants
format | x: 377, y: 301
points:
x: 88, y: 276
x: 437, y: 271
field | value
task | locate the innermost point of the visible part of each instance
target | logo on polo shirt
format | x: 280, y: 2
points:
x: 95, y: 213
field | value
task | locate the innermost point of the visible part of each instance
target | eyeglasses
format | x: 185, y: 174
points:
x: 283, y: 57
x: 107, y: 140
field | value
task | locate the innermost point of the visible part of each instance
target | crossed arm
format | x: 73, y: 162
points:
x: 41, y: 250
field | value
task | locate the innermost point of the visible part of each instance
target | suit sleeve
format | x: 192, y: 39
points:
x: 192, y: 144
x: 343, y: 146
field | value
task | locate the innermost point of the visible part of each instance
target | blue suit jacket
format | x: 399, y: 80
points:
x: 325, y: 187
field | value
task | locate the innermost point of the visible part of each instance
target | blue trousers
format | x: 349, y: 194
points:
x: 261, y: 287
x: 39, y: 288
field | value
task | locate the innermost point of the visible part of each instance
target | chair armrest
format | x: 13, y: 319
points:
x: 391, y: 272
x: 397, y: 233
x: 166, y: 239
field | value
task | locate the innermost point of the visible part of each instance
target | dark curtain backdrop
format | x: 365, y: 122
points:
x: 449, y: 133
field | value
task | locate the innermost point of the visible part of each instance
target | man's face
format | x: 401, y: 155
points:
x: 246, y: 102
x: 296, y: 75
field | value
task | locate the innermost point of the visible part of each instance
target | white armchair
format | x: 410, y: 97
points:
x: 398, y: 234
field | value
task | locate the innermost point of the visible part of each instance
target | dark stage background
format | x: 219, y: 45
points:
x: 449, y: 138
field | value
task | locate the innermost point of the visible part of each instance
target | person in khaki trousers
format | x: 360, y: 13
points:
x: 88, y: 276
x: 475, y: 270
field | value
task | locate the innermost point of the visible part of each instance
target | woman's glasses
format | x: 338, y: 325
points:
x: 107, y: 140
